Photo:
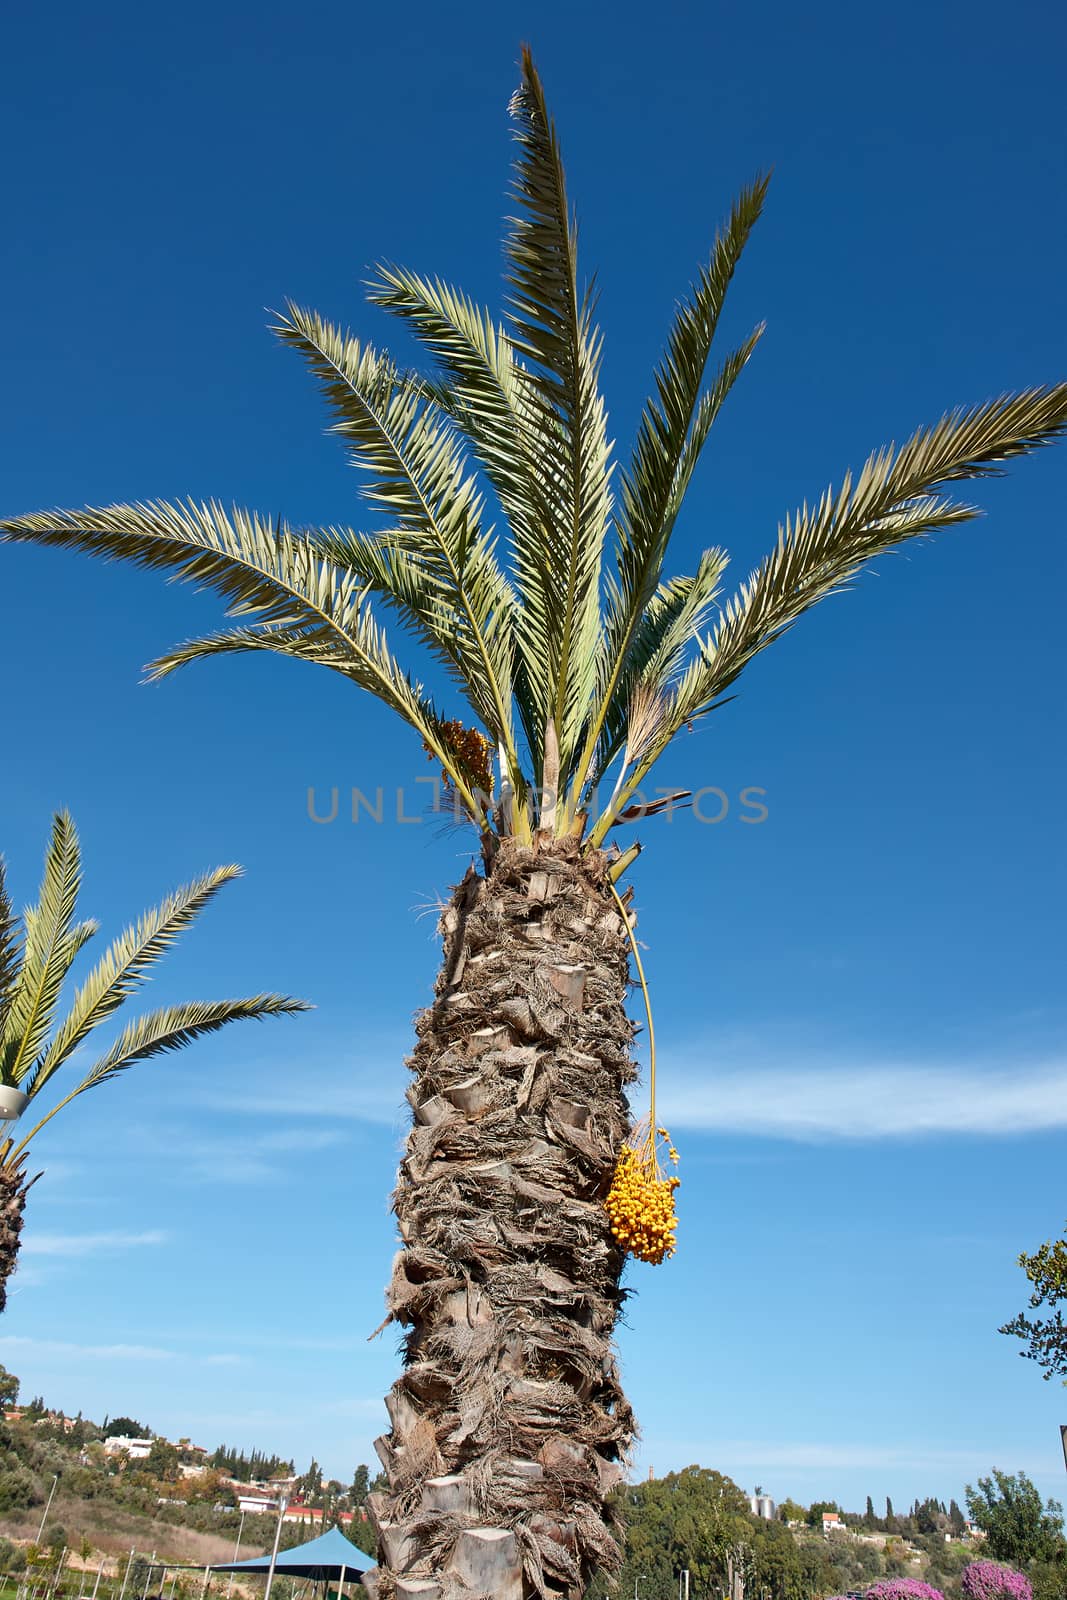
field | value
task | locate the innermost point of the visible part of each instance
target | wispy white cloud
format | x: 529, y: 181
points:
x: 88, y: 1244
x: 95, y: 1352
x: 376, y: 1098
x: 296, y: 1139
x: 798, y: 1455
x: 769, y: 1089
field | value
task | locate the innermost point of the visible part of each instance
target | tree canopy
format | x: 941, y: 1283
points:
x: 1018, y: 1528
x: 1046, y: 1338
x: 577, y: 651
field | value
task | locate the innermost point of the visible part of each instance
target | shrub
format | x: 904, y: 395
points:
x: 903, y: 1589
x: 17, y: 1489
x: 988, y: 1580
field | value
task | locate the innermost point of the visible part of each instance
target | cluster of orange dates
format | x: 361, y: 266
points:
x: 472, y: 751
x: 640, y: 1203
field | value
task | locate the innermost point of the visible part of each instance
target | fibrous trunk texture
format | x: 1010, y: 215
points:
x: 13, y: 1188
x: 508, y: 1422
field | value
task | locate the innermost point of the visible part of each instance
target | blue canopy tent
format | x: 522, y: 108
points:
x: 329, y: 1558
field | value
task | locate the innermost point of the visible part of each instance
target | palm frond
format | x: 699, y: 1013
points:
x: 677, y: 419
x: 268, y: 571
x: 670, y: 628
x: 174, y: 1027
x: 485, y: 389
x: 168, y: 1029
x: 10, y: 948
x: 418, y: 477
x: 125, y: 966
x: 551, y: 321
x: 820, y: 550
x: 674, y: 428
x: 52, y: 940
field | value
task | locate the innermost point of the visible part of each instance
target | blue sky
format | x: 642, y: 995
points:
x: 860, y: 1000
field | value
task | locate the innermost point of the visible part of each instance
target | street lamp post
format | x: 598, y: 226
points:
x: 236, y: 1548
x: 638, y: 1575
x: 48, y: 1507
x: 283, y: 1506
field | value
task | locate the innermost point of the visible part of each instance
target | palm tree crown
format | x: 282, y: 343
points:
x: 37, y: 953
x: 578, y: 657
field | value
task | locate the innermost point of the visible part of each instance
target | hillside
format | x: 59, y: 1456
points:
x: 129, y: 1499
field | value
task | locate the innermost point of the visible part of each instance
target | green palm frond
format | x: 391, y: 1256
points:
x: 10, y: 948
x: 425, y: 600
x: 485, y: 389
x: 302, y: 603
x: 168, y: 1029
x: 669, y: 630
x: 174, y: 1027
x: 551, y: 321
x: 820, y: 550
x: 52, y: 940
x: 419, y: 478
x: 677, y: 419
x: 673, y: 431
x: 125, y: 966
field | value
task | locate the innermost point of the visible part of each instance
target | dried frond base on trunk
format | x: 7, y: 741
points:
x: 508, y: 1423
x: 13, y: 1188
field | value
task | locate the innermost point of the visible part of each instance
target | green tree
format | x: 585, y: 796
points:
x: 162, y: 1461
x: 1046, y: 1338
x: 126, y: 1428
x: 310, y: 1484
x: 360, y: 1486
x: 362, y: 1534
x: 815, y: 1512
x: 580, y: 657
x: 1018, y: 1528
x: 792, y: 1511
x: 778, y: 1571
x: 9, y: 1388
x: 869, y: 1518
x: 17, y: 1489
x: 928, y: 1516
x: 37, y: 952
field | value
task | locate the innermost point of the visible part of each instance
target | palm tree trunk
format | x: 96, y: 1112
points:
x: 13, y: 1191
x: 508, y: 1422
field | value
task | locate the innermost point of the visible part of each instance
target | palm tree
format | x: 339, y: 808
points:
x: 579, y: 660
x: 37, y: 952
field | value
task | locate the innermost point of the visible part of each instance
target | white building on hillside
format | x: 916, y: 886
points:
x: 255, y: 1502
x: 136, y: 1449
